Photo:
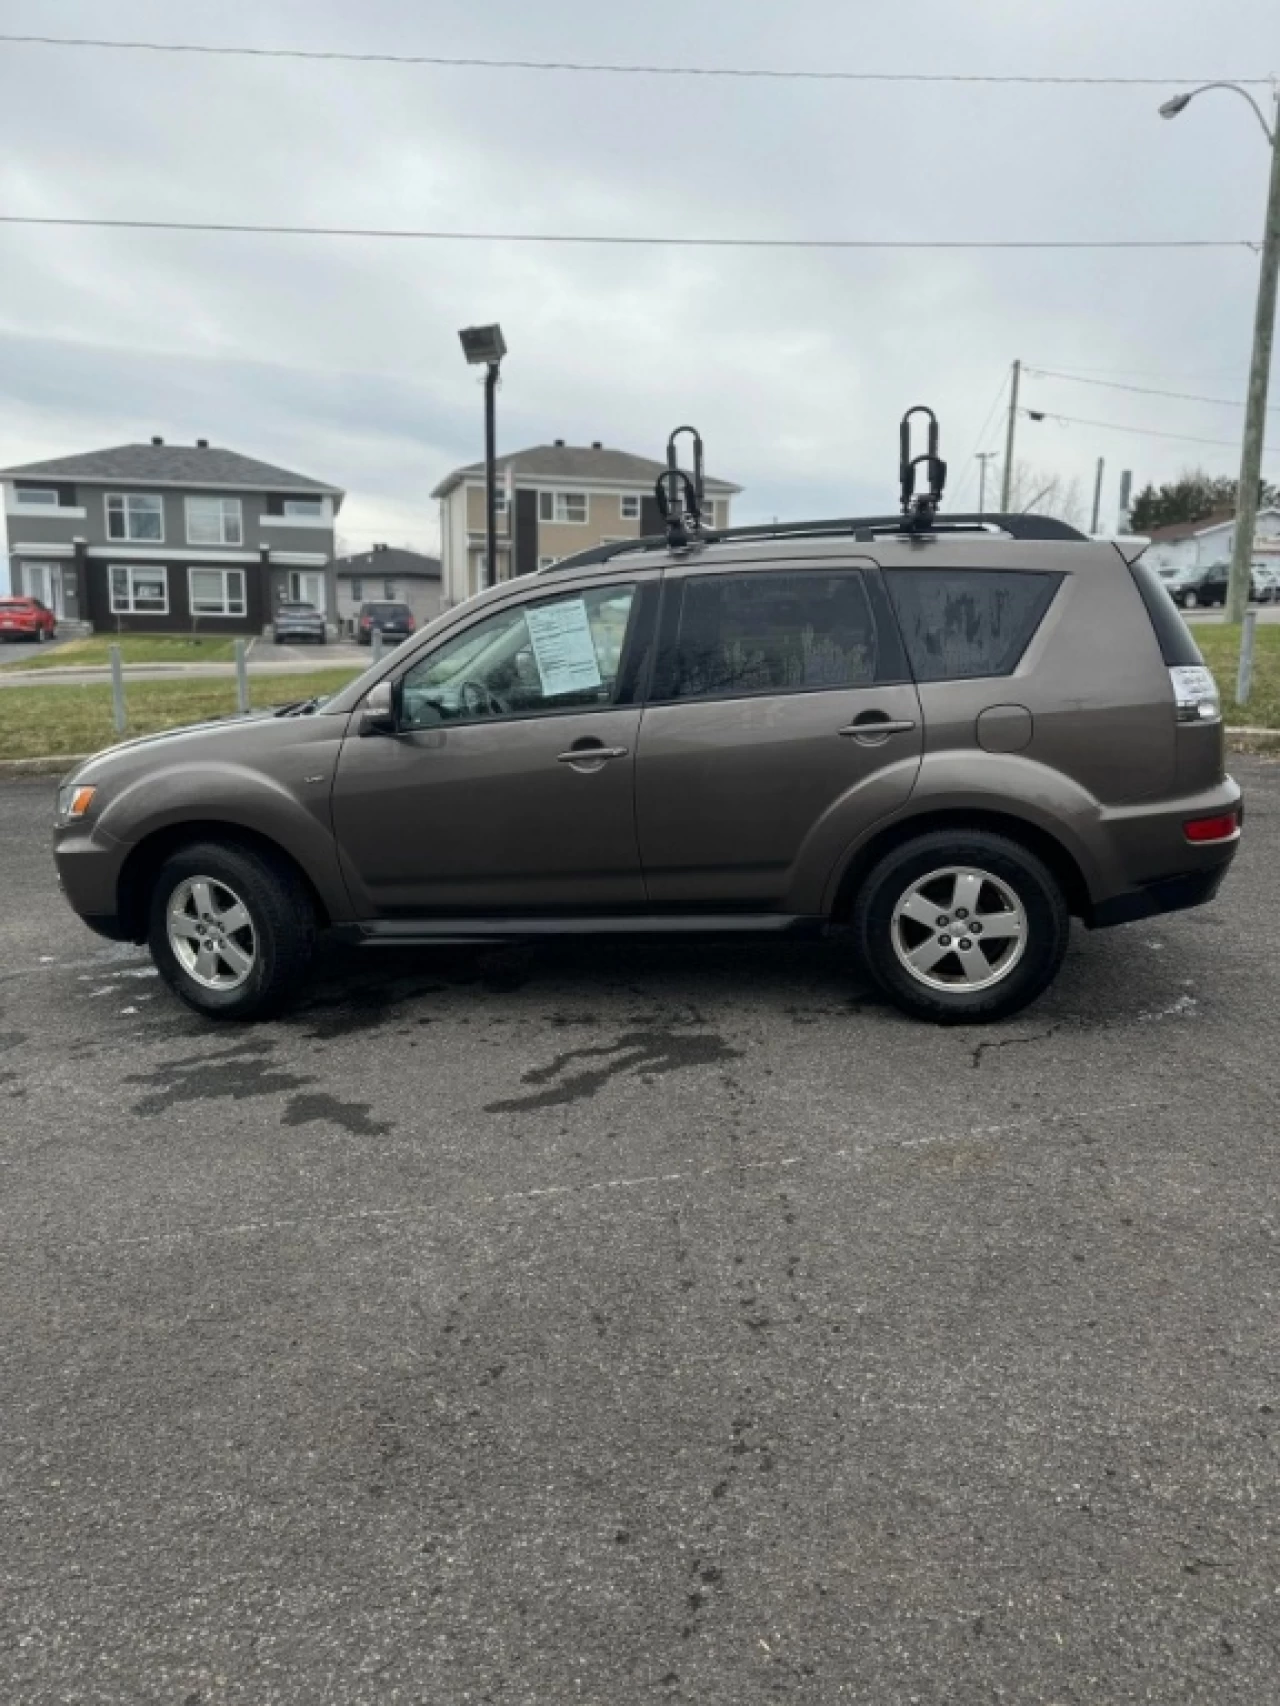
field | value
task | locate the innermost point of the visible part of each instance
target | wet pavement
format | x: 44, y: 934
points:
x: 611, y: 1325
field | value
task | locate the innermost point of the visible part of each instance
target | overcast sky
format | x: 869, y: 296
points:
x: 340, y: 357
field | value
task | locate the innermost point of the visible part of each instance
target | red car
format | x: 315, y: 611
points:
x: 26, y: 619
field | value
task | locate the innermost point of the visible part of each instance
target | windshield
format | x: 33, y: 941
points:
x: 298, y: 610
x: 386, y: 609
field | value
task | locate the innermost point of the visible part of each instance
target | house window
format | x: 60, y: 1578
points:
x: 139, y: 590
x: 214, y: 521
x: 357, y: 590
x: 499, y: 502
x: 36, y: 495
x: 562, y: 506
x: 630, y: 506
x: 135, y: 515
x: 389, y: 589
x: 304, y: 508
x: 217, y: 592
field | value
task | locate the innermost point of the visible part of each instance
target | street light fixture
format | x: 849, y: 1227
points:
x: 485, y: 346
x: 1255, y: 414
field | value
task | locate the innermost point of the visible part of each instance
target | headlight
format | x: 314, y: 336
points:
x: 74, y: 801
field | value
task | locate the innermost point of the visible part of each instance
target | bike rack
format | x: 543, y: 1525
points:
x: 682, y: 497
x: 920, y: 508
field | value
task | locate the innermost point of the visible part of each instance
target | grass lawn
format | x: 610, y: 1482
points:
x: 134, y: 648
x: 1221, y: 648
x: 40, y: 722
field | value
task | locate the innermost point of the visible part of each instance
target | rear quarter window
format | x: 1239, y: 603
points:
x: 1177, y: 647
x: 958, y: 624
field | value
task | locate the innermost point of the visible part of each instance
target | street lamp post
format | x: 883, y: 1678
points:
x: 1255, y: 414
x: 485, y: 346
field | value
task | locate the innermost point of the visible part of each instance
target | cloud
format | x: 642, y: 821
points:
x: 340, y: 357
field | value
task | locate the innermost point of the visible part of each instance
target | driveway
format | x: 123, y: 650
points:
x: 648, y: 1324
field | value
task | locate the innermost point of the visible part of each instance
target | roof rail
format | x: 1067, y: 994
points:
x: 860, y: 528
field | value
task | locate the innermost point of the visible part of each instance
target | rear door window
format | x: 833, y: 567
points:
x: 959, y: 624
x: 763, y: 632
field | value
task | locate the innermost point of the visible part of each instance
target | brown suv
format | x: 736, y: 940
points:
x: 942, y: 739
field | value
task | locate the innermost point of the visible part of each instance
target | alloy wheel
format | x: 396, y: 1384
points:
x: 959, y: 929
x: 211, y: 933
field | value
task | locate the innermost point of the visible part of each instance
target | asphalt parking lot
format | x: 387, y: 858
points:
x: 606, y: 1326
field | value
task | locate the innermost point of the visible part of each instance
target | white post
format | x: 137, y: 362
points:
x: 242, y: 677
x: 1244, y: 680
x: 117, y: 690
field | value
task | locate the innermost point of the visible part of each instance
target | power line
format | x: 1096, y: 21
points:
x: 759, y: 73
x: 967, y: 473
x: 665, y: 241
x: 1143, y: 432
x: 1142, y: 390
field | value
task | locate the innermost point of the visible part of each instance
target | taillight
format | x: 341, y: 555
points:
x: 366, y: 621
x: 1195, y: 694
x: 411, y: 624
x: 1220, y: 828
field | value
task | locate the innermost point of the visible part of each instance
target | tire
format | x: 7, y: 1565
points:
x: 277, y: 939
x: 1190, y: 600
x: 41, y: 636
x: 1016, y: 888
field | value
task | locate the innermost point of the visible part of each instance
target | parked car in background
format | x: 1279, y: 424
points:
x: 393, y: 621
x: 297, y: 621
x: 26, y: 619
x: 1265, y: 584
x: 941, y: 746
x: 1196, y: 588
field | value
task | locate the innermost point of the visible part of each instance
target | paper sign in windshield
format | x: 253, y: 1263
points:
x: 563, y: 648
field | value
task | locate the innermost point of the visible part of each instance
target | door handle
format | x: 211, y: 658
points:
x: 590, y: 754
x: 870, y: 730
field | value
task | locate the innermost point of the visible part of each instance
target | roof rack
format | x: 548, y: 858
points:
x: 681, y: 500
x: 860, y: 528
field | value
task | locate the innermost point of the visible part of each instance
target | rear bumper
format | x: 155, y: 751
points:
x: 1153, y: 868
x: 1166, y: 894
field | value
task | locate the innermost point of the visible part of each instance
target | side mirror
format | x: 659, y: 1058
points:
x: 378, y: 713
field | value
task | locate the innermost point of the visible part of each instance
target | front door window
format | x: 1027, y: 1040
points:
x: 559, y: 654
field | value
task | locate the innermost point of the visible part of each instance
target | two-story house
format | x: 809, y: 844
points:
x: 553, y: 500
x: 169, y: 538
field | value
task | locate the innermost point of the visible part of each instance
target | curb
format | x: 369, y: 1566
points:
x: 56, y: 765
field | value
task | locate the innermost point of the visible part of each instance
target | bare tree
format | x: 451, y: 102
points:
x: 1037, y: 490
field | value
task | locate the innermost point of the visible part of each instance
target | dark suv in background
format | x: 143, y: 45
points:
x: 393, y: 621
x: 1192, y: 589
x: 942, y: 741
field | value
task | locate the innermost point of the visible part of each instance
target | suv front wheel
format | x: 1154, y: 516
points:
x: 961, y: 927
x: 231, y: 931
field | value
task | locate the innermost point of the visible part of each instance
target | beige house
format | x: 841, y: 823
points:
x: 553, y: 500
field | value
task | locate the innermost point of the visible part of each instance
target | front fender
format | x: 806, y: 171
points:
x: 293, y: 811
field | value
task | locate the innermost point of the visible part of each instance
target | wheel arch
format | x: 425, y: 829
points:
x: 140, y: 869
x: 1060, y: 861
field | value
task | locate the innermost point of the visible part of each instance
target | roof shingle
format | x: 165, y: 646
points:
x: 391, y: 561
x: 171, y: 465
x: 574, y: 462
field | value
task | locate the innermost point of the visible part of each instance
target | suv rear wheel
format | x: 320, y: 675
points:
x: 231, y: 931
x: 961, y: 927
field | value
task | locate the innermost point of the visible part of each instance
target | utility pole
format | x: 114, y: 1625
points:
x: 983, y: 457
x: 1097, y: 494
x: 1264, y: 321
x: 1006, y: 484
x: 1255, y: 414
